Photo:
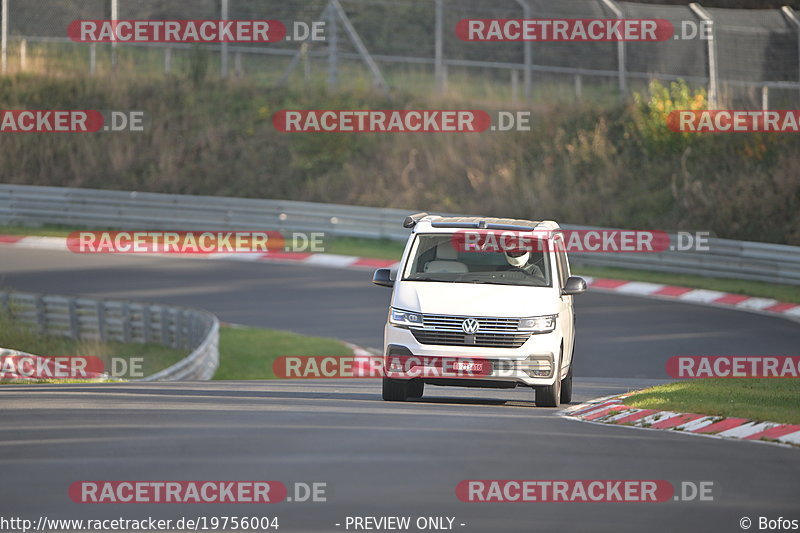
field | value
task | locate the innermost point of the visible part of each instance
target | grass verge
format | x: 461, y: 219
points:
x: 771, y: 400
x: 248, y: 353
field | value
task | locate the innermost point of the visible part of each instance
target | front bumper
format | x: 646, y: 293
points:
x: 531, y: 364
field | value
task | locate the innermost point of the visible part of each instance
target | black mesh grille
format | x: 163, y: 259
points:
x: 484, y: 340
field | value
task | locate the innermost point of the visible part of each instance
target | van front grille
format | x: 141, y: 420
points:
x: 492, y: 332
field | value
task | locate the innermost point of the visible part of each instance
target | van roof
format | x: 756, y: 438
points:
x: 424, y: 222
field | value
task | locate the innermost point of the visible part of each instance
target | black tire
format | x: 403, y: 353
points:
x: 550, y: 395
x: 416, y: 388
x: 566, y: 386
x: 395, y: 390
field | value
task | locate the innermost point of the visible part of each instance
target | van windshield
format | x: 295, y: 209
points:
x: 435, y: 257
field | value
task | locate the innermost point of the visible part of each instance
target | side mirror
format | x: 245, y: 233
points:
x: 383, y: 277
x: 574, y: 285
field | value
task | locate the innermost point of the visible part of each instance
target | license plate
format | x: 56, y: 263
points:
x: 461, y: 366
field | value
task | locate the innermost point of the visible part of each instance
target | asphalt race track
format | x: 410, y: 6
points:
x: 377, y: 458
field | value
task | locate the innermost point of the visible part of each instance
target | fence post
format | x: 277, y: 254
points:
x: 792, y: 18
x: 527, y: 53
x: 92, y: 58
x: 621, y: 53
x: 23, y: 54
x: 765, y: 98
x: 333, y: 42
x: 377, y: 78
x: 114, y: 18
x: 514, y: 85
x: 167, y: 60
x: 439, y: 47
x: 4, y: 36
x: 578, y: 86
x: 306, y: 63
x: 223, y: 49
x: 711, y: 52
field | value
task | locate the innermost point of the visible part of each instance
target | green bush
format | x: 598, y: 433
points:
x: 579, y: 164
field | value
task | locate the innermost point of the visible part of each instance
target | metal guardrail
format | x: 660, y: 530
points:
x: 34, y: 205
x: 130, y: 322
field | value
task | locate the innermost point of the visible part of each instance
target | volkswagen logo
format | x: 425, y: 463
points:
x: 470, y: 326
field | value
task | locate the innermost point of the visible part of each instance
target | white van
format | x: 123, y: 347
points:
x: 469, y: 309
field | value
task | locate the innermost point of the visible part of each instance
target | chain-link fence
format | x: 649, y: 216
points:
x: 752, y: 59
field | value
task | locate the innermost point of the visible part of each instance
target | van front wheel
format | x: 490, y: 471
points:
x: 395, y: 390
x: 550, y: 395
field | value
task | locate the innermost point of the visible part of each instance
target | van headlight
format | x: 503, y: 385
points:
x: 538, y: 324
x: 404, y: 319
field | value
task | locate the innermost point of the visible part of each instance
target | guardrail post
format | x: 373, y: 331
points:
x: 41, y: 319
x: 178, y: 340
x: 74, y: 328
x: 711, y: 55
x: 146, y: 318
x: 126, y: 322
x: 101, y: 320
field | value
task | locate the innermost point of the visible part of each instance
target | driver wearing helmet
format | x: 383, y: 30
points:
x: 518, y: 260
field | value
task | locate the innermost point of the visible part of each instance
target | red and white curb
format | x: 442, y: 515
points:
x: 612, y: 410
x: 728, y: 300
x: 707, y: 297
